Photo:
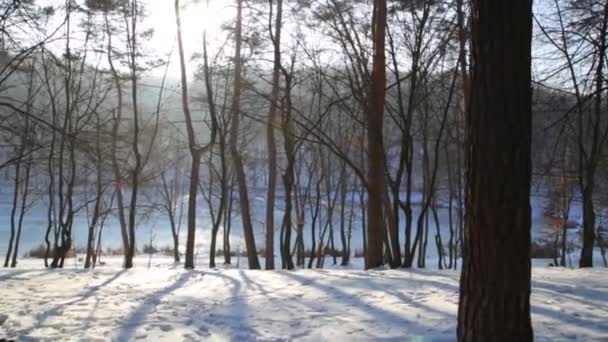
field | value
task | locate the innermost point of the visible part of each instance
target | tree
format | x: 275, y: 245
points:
x: 241, y: 177
x: 580, y: 38
x: 196, y: 151
x: 495, y: 282
x: 376, y: 183
x: 272, y: 147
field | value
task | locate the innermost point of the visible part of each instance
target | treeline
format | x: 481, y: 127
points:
x: 350, y: 117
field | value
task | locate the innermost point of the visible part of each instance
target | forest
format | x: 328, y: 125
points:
x: 425, y: 170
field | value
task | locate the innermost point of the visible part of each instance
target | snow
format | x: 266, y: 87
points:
x: 166, y: 303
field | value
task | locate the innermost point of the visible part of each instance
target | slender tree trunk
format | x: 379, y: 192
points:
x: 98, y: 198
x: 252, y: 255
x: 313, y: 222
x: 195, y: 151
x: 272, y: 147
x: 192, y: 193
x: 223, y: 166
x: 495, y: 281
x: 227, y: 223
x: 289, y: 176
x: 562, y: 261
x: 588, y: 186
x: 137, y: 168
x: 118, y: 179
x: 14, y: 208
x: 343, y: 193
x: 23, y: 209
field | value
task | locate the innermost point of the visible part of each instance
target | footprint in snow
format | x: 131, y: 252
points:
x: 3, y: 318
x: 165, y: 327
x: 203, y: 331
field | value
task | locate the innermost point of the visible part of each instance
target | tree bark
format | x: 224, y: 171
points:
x: 495, y: 281
x: 375, y: 189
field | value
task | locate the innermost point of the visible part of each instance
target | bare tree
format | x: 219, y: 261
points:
x: 241, y: 178
x: 196, y: 150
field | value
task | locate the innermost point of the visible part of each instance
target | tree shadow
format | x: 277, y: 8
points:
x: 237, y: 309
x: 11, y: 274
x: 235, y: 305
x: 597, y: 326
x: 58, y: 309
x: 148, y: 305
x: 570, y: 292
x: 379, y: 314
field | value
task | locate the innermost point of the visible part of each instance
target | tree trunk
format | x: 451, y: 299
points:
x: 137, y: 168
x: 118, y: 182
x: 227, y: 223
x: 195, y: 150
x: 588, y: 186
x: 98, y: 194
x: 192, y: 193
x: 272, y: 147
x: 495, y: 281
x: 11, y: 239
x: 252, y: 255
x: 343, y: 193
x: 375, y: 189
x: 588, y: 227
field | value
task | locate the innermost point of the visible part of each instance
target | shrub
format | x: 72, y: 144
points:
x: 542, y: 250
x: 112, y: 251
x: 150, y: 249
x: 37, y: 252
x: 220, y: 252
x: 166, y: 250
x: 328, y: 251
x: 40, y: 251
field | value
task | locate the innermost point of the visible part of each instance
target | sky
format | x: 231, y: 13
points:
x: 196, y: 15
x: 209, y: 15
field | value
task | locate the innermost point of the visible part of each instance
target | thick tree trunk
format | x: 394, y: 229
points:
x: 495, y: 281
x: 586, y: 259
x: 375, y: 146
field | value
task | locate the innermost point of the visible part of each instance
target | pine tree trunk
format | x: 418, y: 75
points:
x: 376, y: 188
x: 495, y: 281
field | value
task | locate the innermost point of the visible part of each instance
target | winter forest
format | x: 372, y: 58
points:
x: 303, y: 170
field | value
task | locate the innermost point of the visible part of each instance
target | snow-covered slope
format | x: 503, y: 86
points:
x: 167, y: 303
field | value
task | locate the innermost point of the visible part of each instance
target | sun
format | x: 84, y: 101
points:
x: 203, y: 15
x: 196, y: 16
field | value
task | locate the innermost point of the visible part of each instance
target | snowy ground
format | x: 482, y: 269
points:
x: 166, y: 303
